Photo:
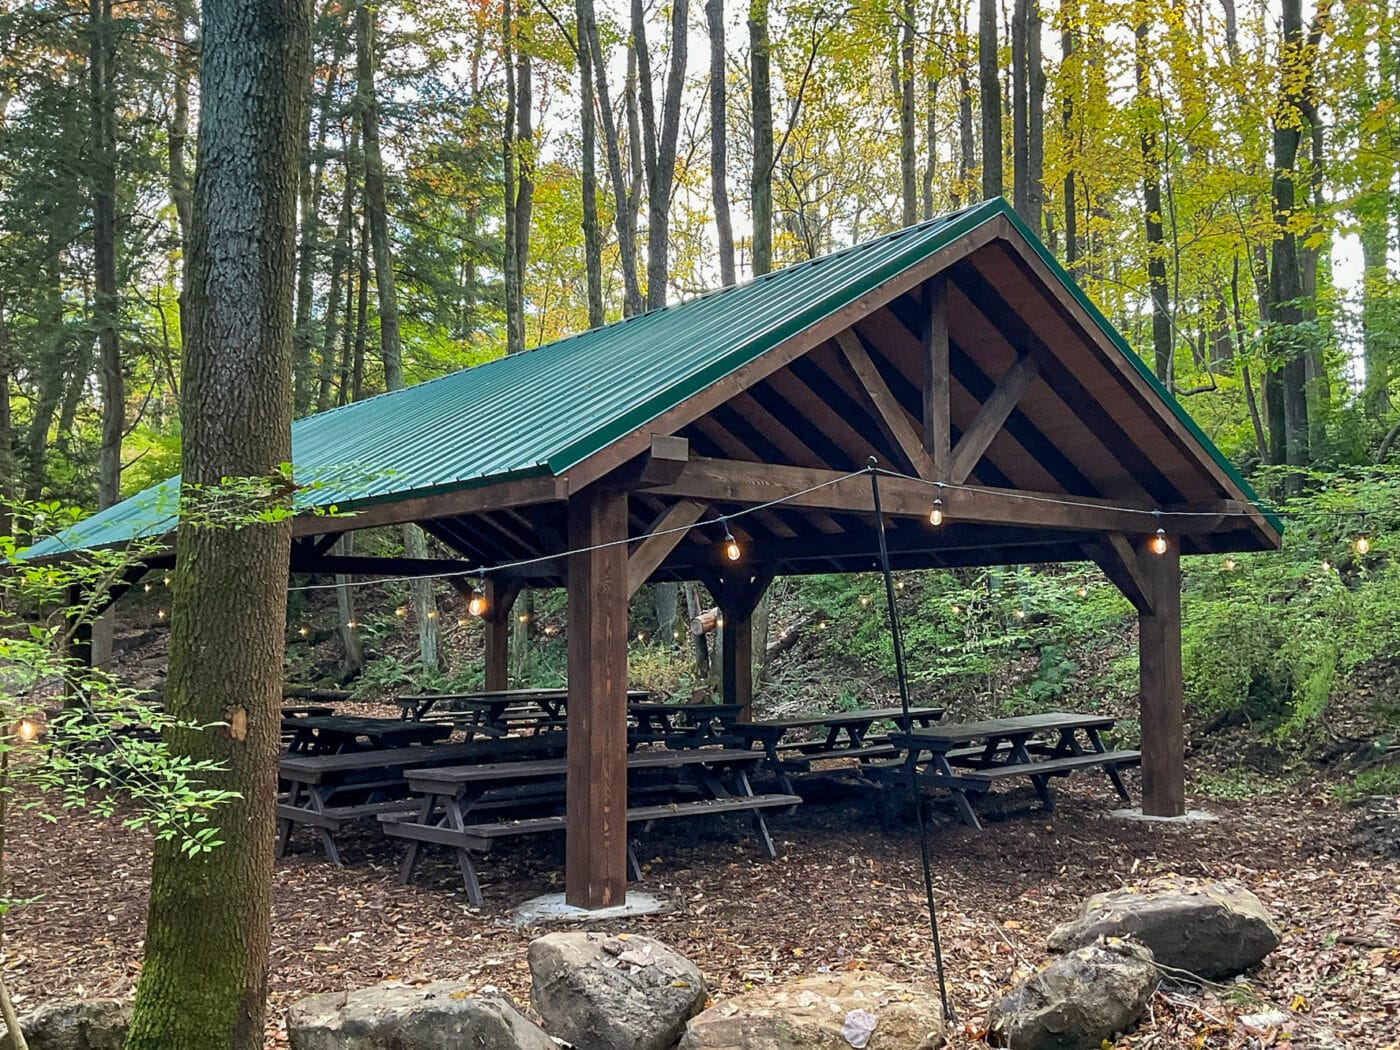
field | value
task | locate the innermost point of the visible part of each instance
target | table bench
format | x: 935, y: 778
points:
x: 328, y: 791
x: 453, y: 798
x: 846, y: 735
x: 336, y: 734
x: 968, y: 758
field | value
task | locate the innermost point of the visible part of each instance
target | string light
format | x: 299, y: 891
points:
x: 147, y: 588
x: 432, y: 614
x: 476, y: 604
x: 160, y: 614
x: 352, y: 625
x: 731, y: 545
x: 641, y: 637
x: 551, y: 630
x: 1362, y: 544
x: 524, y: 617
x: 26, y: 729
x: 864, y: 600
x: 1326, y: 566
x: 304, y: 631
x: 899, y: 586
x: 957, y: 610
x: 822, y: 624
x: 1159, y: 542
x: 401, y: 612
x: 166, y: 579
x: 1082, y: 591
x: 1020, y: 614
x: 935, y: 516
x: 1229, y: 564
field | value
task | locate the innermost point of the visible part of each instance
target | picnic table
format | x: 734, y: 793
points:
x: 327, y: 791
x: 682, y: 725
x: 307, y: 711
x: 454, y: 798
x: 846, y: 735
x: 968, y: 758
x: 497, y: 712
x: 334, y: 734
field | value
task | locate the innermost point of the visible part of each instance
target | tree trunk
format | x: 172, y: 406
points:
x: 390, y: 347
x: 588, y: 136
x: 660, y: 142
x: 1069, y: 13
x: 761, y: 104
x: 990, y: 90
x: 719, y: 146
x: 1035, y: 121
x: 177, y: 137
x: 204, y: 979
x: 908, y: 170
x: 524, y: 179
x: 341, y: 255
x: 1375, y: 336
x: 1152, y: 208
x: 8, y: 467
x: 352, y: 657
x: 1020, y: 116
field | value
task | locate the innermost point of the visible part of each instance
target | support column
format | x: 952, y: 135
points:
x: 736, y: 659
x: 1160, y: 685
x: 500, y: 600
x: 595, y: 870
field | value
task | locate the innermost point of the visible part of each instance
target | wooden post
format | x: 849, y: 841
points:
x: 938, y: 429
x: 500, y: 599
x: 736, y: 658
x: 595, y: 870
x: 1159, y: 684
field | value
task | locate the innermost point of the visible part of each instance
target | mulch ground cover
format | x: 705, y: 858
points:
x: 845, y: 894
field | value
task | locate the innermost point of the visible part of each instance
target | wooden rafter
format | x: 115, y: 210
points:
x: 1115, y: 554
x: 902, y: 430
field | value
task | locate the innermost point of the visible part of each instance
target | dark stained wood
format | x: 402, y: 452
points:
x: 738, y: 596
x: 974, y: 441
x: 1117, y: 556
x: 595, y: 873
x: 356, y: 565
x: 660, y: 541
x: 1160, y: 695
x: 513, y: 492
x: 902, y: 430
x: 938, y: 421
x: 500, y: 598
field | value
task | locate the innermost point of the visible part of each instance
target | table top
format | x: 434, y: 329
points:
x: 844, y: 718
x: 360, y: 725
x: 451, y: 776
x: 314, y: 769
x: 1022, y: 725
x: 708, y: 710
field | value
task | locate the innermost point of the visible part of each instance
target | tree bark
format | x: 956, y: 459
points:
x: 1035, y: 121
x: 177, y: 137
x: 990, y: 90
x: 1152, y: 208
x: 390, y: 346
x: 908, y: 170
x: 341, y: 255
x: 588, y: 140
x: 761, y: 105
x: 719, y: 142
x: 660, y: 142
x: 1020, y: 116
x: 1069, y: 13
x: 204, y: 980
x: 524, y: 176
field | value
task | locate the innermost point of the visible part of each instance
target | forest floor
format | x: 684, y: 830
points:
x: 844, y: 894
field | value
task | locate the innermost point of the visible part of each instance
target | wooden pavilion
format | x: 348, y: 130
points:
x: 956, y: 352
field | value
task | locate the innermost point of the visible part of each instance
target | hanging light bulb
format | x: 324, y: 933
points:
x: 1229, y: 564
x: 304, y: 631
x: 822, y: 625
x: 352, y: 625
x: 524, y: 617
x: 1020, y: 614
x: 1082, y: 591
x: 864, y: 600
x: 166, y: 579
x: 432, y: 614
x: 476, y: 604
x: 26, y: 729
x: 935, y: 516
x: 160, y: 614
x: 401, y: 612
x: 899, y: 586
x: 1159, y: 542
x: 1362, y: 544
x: 731, y: 545
x: 147, y: 588
x: 957, y: 610
x: 641, y: 637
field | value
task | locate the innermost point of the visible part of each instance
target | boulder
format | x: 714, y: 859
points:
x: 78, y: 1024
x: 1208, y: 928
x: 1077, y: 1001
x: 394, y: 1016
x: 622, y: 992
x: 835, y: 1012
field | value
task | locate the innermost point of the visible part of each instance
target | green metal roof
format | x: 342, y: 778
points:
x: 548, y: 409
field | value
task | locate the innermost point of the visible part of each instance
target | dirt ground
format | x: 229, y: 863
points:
x: 844, y: 894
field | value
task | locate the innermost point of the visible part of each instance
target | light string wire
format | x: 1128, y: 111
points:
x: 897, y: 643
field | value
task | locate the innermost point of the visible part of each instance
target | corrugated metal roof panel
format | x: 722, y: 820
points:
x: 549, y: 408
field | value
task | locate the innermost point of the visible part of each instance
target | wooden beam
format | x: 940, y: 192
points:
x: 500, y: 598
x: 595, y: 868
x: 511, y: 492
x: 1118, y: 557
x: 661, y: 541
x: 938, y: 421
x: 729, y: 481
x: 990, y: 418
x: 358, y: 565
x: 738, y: 597
x: 902, y: 429
x: 1160, y: 695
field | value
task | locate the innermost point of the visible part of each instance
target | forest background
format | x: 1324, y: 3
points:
x: 1223, y: 179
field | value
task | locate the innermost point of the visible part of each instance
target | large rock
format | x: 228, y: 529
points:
x: 601, y: 992
x: 1077, y: 1001
x: 836, y: 1012
x: 1211, y: 929
x: 79, y: 1024
x: 394, y: 1016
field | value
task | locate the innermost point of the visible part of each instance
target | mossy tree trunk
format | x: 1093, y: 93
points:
x: 204, y: 981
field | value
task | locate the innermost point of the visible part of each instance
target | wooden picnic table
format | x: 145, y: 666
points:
x: 455, y: 797
x: 495, y: 713
x: 846, y: 736
x: 682, y: 725
x: 307, y: 711
x: 969, y: 757
x: 333, y: 734
x: 328, y: 791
